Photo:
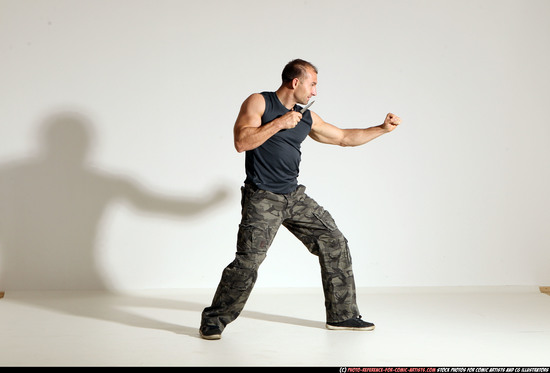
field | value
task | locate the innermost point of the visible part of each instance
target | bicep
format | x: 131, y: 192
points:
x: 324, y: 132
x: 248, y: 123
x: 250, y: 114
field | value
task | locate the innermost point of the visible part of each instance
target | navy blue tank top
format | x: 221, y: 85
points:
x: 274, y: 165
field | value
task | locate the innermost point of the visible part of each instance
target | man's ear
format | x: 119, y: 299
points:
x: 295, y: 82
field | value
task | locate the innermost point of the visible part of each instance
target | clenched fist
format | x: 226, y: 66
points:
x: 290, y: 119
x: 391, y: 122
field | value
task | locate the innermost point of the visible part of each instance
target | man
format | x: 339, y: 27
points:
x: 270, y: 129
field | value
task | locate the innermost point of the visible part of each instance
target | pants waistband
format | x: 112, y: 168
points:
x: 252, y: 187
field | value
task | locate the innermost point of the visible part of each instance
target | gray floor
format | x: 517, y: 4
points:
x: 279, y: 327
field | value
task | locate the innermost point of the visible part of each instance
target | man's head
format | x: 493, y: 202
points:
x: 297, y: 69
x: 301, y: 76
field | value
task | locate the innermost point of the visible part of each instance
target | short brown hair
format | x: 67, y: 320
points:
x: 296, y: 69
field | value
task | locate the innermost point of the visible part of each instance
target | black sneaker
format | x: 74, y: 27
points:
x: 351, y: 324
x: 210, y: 332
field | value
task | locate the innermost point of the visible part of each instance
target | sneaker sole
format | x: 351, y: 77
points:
x: 365, y: 329
x: 211, y: 337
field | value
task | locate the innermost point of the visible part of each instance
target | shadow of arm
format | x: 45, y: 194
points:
x: 148, y: 201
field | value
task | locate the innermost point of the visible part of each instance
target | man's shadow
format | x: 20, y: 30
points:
x: 50, y: 208
x: 51, y: 205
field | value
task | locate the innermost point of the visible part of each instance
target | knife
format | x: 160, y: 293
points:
x: 306, y: 107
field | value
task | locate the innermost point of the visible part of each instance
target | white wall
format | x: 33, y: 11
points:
x: 456, y: 196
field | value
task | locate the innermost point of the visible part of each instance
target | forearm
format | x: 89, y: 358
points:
x: 356, y: 137
x: 248, y: 138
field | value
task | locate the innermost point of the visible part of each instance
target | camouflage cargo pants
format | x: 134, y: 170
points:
x: 263, y: 213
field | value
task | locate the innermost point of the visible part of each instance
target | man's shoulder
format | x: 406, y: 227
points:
x: 264, y: 96
x: 255, y: 100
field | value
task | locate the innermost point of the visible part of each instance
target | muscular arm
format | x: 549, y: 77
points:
x: 248, y: 132
x: 327, y: 133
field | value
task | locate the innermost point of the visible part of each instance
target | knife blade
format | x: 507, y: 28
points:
x: 306, y: 107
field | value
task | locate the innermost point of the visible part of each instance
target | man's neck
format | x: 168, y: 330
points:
x: 286, y: 97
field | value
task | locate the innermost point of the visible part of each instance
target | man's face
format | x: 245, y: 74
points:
x: 307, y: 87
